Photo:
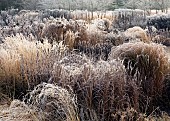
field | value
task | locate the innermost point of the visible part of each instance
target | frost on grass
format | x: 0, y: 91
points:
x: 147, y: 63
x: 53, y: 103
x: 24, y: 63
x: 17, y: 111
x: 47, y: 102
x: 136, y: 33
x: 99, y: 86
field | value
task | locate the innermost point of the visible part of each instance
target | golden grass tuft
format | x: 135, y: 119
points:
x: 25, y: 63
x: 70, y: 39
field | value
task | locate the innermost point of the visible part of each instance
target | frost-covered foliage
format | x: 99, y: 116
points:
x: 45, y: 102
x: 162, y: 40
x: 97, y: 86
x: 125, y: 18
x: 52, y: 103
x: 147, y: 63
x: 160, y: 21
x: 136, y: 33
x: 105, y: 85
x: 71, y: 49
x: 51, y: 24
x: 26, y: 62
x: 17, y: 111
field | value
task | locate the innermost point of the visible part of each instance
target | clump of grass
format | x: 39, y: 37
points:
x: 129, y: 114
x: 53, y: 103
x: 147, y: 64
x: 25, y: 63
x: 100, y: 87
x: 104, y: 90
x: 137, y: 33
x: 18, y: 111
x: 68, y: 67
x: 70, y: 39
x: 53, y: 31
x: 162, y: 40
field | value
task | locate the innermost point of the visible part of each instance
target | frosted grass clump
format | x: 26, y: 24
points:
x: 148, y: 63
x: 53, y: 103
x: 27, y: 63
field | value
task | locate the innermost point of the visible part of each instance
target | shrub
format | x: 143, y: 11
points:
x: 137, y: 33
x: 146, y: 63
x: 160, y: 21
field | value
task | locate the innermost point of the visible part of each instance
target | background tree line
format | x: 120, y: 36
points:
x: 162, y: 5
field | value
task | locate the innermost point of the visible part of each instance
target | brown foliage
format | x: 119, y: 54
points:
x: 100, y: 87
x: 137, y: 33
x: 147, y: 63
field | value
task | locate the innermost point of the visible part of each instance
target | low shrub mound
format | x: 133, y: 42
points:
x: 160, y: 21
x: 136, y: 33
x: 52, y: 103
x: 100, y: 87
x: 146, y: 63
